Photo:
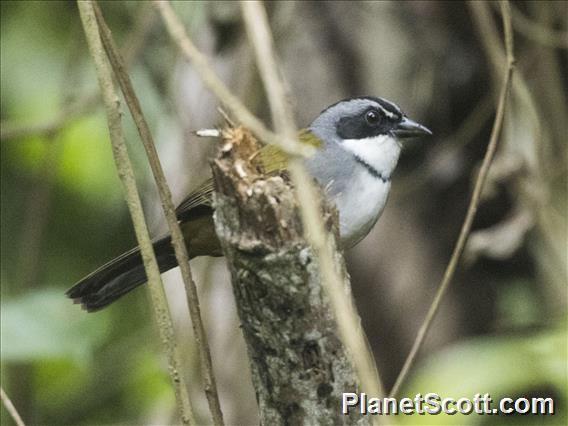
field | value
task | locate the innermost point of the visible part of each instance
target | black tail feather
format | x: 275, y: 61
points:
x: 119, y: 276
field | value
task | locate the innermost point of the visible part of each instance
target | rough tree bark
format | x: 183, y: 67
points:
x: 299, y: 366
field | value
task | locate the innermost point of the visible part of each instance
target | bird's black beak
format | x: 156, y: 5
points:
x: 408, y: 129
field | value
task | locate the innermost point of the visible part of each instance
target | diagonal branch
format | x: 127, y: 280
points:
x: 178, y: 243
x: 10, y: 408
x: 473, y: 204
x: 177, y: 32
x: 126, y: 174
x: 348, y: 321
x: 288, y: 141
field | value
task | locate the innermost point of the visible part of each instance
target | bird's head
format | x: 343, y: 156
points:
x: 369, y: 129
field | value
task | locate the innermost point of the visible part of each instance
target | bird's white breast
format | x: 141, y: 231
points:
x: 360, y: 207
x: 362, y: 204
x: 380, y: 152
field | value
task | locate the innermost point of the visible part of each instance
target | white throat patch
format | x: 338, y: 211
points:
x: 380, y: 152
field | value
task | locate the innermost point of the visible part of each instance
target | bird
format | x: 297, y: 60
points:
x: 358, y: 140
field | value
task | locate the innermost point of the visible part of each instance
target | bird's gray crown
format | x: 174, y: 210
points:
x: 357, y: 118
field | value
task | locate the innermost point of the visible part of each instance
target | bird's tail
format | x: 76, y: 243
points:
x: 119, y: 276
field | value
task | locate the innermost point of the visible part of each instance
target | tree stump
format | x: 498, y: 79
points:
x: 300, y: 368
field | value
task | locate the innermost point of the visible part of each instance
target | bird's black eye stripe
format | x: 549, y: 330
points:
x: 372, y: 121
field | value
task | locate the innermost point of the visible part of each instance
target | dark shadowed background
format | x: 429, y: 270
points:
x: 502, y: 327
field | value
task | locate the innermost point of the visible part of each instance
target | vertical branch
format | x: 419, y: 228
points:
x: 349, y: 324
x: 126, y: 174
x: 178, y: 243
x: 473, y: 204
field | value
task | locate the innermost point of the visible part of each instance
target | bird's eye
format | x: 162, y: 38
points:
x: 372, y: 117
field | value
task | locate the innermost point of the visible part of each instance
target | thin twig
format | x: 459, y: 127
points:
x: 256, y: 23
x: 522, y: 95
x: 473, y: 204
x: 10, y: 408
x: 177, y: 32
x: 178, y: 243
x: 348, y: 322
x: 538, y: 32
x: 126, y: 174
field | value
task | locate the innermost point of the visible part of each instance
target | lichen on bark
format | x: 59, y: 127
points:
x: 299, y: 366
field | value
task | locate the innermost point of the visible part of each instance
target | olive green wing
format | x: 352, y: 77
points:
x: 273, y: 159
x: 276, y: 160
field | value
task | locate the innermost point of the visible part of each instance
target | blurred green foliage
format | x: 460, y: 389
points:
x: 61, y: 366
x: 52, y: 331
x: 507, y: 365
